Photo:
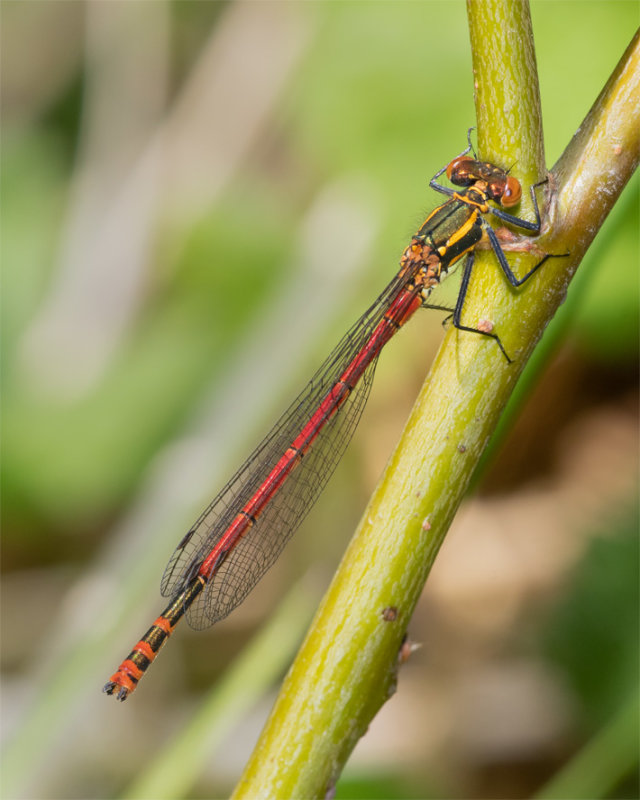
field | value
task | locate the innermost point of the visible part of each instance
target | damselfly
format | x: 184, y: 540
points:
x: 242, y: 532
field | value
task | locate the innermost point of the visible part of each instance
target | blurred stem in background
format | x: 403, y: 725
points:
x: 610, y: 756
x: 172, y: 772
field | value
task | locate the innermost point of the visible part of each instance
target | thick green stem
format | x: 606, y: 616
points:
x: 346, y: 668
x: 507, y: 94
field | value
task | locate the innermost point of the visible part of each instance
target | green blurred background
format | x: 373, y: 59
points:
x: 183, y: 186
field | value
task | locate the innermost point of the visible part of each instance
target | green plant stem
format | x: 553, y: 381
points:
x: 507, y: 94
x: 347, y: 666
x: 604, y: 762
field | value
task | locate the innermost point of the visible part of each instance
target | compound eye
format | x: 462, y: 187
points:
x: 512, y: 193
x: 459, y: 170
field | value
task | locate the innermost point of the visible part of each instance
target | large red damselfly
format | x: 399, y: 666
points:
x: 242, y: 532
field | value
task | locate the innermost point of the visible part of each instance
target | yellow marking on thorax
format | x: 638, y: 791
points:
x: 463, y: 230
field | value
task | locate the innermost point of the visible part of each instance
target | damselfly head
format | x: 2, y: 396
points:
x: 500, y: 186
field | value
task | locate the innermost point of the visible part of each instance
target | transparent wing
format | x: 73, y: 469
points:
x: 257, y: 550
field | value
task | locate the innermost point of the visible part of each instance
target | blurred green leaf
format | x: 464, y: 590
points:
x: 593, y: 636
